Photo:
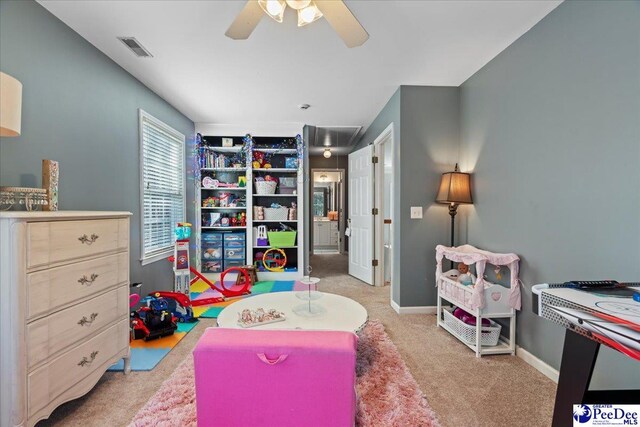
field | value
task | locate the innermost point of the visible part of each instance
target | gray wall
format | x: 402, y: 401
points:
x: 430, y: 139
x: 551, y: 131
x: 81, y: 109
x: 426, y: 137
x: 389, y: 114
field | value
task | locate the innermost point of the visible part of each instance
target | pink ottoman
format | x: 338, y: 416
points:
x: 248, y: 377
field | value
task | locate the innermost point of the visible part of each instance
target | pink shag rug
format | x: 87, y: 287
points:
x: 388, y: 395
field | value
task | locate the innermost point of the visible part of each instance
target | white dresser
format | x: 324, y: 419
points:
x: 64, y: 307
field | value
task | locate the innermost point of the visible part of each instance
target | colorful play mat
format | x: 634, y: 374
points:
x: 200, y: 289
x: 145, y: 355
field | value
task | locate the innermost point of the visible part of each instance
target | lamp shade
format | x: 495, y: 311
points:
x: 455, y: 187
x: 10, y: 105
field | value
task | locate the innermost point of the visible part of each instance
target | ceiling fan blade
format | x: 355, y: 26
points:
x: 343, y: 22
x: 246, y: 21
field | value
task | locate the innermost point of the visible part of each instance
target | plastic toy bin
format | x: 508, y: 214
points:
x: 233, y: 263
x: 280, y: 239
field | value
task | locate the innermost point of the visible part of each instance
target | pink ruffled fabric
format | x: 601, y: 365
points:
x: 471, y: 255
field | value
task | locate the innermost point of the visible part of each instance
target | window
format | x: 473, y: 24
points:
x: 162, y: 186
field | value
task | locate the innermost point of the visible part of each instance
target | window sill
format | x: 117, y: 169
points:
x: 154, y: 258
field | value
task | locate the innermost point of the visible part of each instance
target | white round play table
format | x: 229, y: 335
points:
x: 339, y: 313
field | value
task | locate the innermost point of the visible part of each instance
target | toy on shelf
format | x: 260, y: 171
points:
x: 274, y: 260
x: 258, y: 261
x: 260, y: 161
x: 210, y: 202
x: 262, y: 239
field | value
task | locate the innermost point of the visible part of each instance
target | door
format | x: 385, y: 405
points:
x: 360, y: 220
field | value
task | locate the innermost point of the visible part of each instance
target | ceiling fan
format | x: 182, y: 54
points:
x: 335, y: 12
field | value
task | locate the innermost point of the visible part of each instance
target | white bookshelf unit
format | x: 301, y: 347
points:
x: 239, y: 163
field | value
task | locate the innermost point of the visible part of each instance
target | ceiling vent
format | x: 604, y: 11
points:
x: 135, y: 47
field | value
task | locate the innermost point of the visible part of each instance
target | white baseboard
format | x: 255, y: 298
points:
x: 425, y: 309
x: 541, y: 366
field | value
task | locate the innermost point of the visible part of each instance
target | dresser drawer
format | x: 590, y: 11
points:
x: 53, y: 333
x: 48, y: 290
x: 51, y: 380
x: 59, y: 241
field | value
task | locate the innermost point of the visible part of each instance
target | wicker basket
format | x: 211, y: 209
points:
x: 266, y: 187
x: 489, y: 337
x: 276, y: 214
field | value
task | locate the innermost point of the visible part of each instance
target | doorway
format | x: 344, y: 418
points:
x: 384, y: 202
x: 371, y: 204
x: 327, y: 203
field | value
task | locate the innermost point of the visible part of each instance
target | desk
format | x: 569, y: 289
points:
x: 591, y: 320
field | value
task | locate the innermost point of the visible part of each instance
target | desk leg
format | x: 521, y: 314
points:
x: 578, y: 359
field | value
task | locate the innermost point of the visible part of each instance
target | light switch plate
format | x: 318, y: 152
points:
x: 416, y: 212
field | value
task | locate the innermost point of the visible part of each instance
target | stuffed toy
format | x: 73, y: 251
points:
x: 465, y: 277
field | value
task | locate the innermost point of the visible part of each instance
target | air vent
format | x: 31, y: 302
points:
x: 135, y: 47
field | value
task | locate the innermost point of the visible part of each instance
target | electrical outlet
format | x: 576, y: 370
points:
x: 416, y: 212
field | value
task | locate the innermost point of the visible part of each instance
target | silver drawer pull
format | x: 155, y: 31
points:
x: 89, y: 321
x: 88, y: 240
x: 88, y: 281
x: 87, y: 360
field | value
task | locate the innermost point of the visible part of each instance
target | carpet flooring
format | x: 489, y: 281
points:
x: 461, y: 389
x: 387, y: 393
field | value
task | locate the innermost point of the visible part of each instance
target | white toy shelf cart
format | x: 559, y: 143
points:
x: 484, y: 300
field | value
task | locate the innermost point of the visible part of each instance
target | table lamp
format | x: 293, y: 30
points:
x: 10, y: 105
x: 455, y: 188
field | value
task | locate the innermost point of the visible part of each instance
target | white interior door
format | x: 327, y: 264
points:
x: 360, y: 219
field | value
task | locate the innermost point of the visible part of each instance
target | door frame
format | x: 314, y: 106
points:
x: 341, y: 212
x: 385, y: 137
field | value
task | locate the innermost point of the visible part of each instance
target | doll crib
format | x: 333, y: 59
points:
x: 484, y: 300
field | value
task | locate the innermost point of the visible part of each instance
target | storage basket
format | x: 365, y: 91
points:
x: 266, y: 187
x: 280, y: 239
x: 276, y: 214
x: 467, y: 333
x: 288, y: 181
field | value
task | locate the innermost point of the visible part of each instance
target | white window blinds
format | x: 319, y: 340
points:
x: 162, y: 182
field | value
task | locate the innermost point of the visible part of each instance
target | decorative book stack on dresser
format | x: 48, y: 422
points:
x: 64, y: 307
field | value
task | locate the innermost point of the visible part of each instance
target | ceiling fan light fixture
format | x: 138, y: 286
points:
x: 298, y: 4
x: 308, y: 15
x: 327, y: 153
x: 273, y: 8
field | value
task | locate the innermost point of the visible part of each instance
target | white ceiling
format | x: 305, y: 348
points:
x: 213, y: 79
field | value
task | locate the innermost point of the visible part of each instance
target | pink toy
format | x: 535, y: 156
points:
x: 275, y: 377
x: 469, y: 319
x: 133, y: 300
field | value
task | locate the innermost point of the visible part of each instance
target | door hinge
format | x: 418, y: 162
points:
x: 374, y: 211
x: 374, y: 262
x: 374, y: 159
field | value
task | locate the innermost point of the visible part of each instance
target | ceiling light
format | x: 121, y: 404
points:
x: 327, y: 153
x: 273, y: 8
x: 308, y: 15
x: 298, y: 4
